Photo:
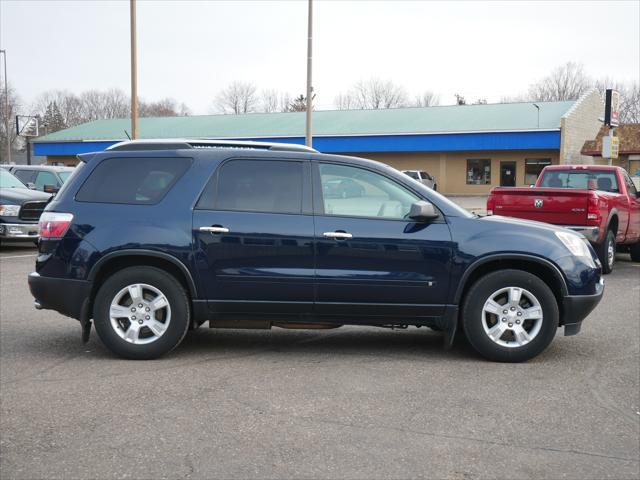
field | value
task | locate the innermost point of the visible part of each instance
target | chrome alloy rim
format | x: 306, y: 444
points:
x: 610, y: 254
x: 140, y: 313
x: 512, y: 317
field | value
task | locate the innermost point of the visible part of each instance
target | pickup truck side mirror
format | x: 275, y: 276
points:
x: 50, y: 189
x: 422, y: 211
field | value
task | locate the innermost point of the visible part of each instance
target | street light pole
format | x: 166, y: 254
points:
x: 134, y: 72
x: 538, y: 107
x: 308, y: 136
x: 6, y: 107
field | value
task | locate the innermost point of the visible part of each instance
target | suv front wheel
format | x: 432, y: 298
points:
x: 510, y: 316
x: 141, y: 313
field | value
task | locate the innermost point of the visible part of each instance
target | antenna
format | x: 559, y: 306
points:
x: 127, y: 134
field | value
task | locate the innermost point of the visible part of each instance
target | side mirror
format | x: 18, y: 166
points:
x: 423, y: 211
x: 31, y: 185
x: 50, y: 189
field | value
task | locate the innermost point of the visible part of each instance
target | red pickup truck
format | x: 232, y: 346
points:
x: 600, y: 202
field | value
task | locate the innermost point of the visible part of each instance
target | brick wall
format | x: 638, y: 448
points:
x: 578, y: 125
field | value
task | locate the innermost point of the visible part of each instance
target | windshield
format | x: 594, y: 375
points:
x: 64, y: 175
x: 9, y: 181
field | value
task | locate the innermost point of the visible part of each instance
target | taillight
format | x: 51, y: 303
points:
x: 54, y: 225
x: 592, y: 209
x: 491, y: 202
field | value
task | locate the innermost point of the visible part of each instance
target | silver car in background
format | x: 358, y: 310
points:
x: 422, y: 177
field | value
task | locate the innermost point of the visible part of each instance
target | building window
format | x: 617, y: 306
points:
x: 478, y: 172
x: 533, y: 167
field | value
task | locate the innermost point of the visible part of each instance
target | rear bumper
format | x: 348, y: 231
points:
x: 68, y: 297
x: 577, y: 307
x: 591, y: 233
x: 19, y: 231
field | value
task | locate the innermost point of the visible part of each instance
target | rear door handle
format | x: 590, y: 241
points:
x: 338, y: 235
x: 215, y: 229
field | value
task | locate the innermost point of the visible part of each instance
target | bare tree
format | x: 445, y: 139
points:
x: 566, y: 82
x: 69, y: 106
x: 373, y: 94
x: 270, y: 101
x: 238, y: 97
x: 14, y: 109
x: 427, y: 99
x: 167, y: 107
x: 345, y: 101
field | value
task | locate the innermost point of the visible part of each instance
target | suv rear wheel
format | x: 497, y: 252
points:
x: 141, y: 313
x: 510, y: 316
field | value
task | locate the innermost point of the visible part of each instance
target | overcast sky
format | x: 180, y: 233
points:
x: 190, y: 50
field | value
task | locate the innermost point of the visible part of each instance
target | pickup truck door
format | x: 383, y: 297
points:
x: 633, y: 231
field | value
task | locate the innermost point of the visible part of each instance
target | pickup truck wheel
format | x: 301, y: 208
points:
x: 141, y: 313
x: 607, y: 252
x: 634, y: 250
x: 510, y: 316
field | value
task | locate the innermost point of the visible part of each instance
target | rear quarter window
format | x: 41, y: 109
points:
x: 133, y: 181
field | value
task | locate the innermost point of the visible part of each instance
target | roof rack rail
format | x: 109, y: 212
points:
x: 181, y: 144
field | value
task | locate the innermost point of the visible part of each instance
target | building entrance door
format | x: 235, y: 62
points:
x: 507, y: 174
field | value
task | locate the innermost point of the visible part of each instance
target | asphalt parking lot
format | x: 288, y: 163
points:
x: 346, y: 403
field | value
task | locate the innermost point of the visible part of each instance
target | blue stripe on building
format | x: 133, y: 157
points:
x: 545, y: 140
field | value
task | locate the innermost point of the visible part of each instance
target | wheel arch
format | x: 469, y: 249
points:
x: 613, y: 222
x: 542, y: 268
x: 116, y: 261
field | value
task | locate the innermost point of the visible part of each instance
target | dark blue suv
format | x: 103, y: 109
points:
x: 153, y: 238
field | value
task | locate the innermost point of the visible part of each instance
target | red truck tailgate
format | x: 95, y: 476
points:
x: 560, y: 206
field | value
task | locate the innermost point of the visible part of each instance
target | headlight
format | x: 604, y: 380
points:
x: 575, y: 244
x: 9, y: 210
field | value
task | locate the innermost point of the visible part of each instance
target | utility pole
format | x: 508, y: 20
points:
x: 134, y: 72
x: 308, y: 135
x: 6, y: 107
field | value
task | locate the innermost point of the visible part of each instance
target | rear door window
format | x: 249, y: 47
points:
x: 136, y: 181
x: 256, y: 186
x: 46, y: 178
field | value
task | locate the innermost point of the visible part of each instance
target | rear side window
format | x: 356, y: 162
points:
x: 255, y: 186
x: 25, y: 176
x: 136, y: 181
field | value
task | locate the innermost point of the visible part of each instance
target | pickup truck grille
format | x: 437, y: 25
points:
x: 32, y: 211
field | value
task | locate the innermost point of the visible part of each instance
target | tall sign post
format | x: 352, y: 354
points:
x: 134, y: 72
x: 308, y: 134
x: 610, y: 143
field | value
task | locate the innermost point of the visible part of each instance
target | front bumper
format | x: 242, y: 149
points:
x: 575, y: 308
x: 19, y: 231
x: 69, y: 297
x: 591, y: 233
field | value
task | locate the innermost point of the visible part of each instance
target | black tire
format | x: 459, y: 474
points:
x: 603, y: 252
x: 634, y: 250
x: 473, y: 317
x: 177, y: 300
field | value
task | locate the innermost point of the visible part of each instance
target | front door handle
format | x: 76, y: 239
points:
x: 215, y: 229
x: 338, y: 235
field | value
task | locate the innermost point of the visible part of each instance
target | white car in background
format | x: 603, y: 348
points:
x: 422, y: 177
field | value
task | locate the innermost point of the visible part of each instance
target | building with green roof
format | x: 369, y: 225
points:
x: 468, y: 148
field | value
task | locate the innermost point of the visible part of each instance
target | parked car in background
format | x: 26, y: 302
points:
x: 342, y: 188
x: 422, y: 177
x: 46, y: 178
x: 600, y: 202
x: 250, y: 235
x: 20, y: 209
